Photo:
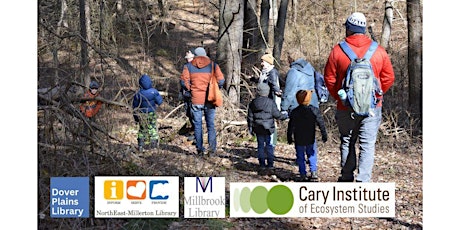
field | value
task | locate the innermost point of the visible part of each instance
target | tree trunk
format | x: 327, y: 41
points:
x: 84, y: 56
x: 414, y: 22
x: 55, y: 48
x: 279, y: 32
x: 272, y: 22
x: 387, y: 22
x: 251, y: 31
x: 264, y: 18
x: 231, y: 20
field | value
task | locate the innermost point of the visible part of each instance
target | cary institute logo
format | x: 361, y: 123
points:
x: 260, y: 200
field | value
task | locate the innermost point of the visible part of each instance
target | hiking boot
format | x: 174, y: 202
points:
x: 154, y: 144
x: 343, y: 180
x: 303, y: 178
x: 314, y: 176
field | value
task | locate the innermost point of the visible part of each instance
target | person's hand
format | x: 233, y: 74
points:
x: 285, y: 115
x: 279, y: 93
x: 251, y: 132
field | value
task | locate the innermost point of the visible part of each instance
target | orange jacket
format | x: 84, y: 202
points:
x: 196, y: 76
x: 91, y: 107
x: 337, y: 64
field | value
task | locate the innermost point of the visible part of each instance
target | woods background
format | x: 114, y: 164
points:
x: 116, y: 41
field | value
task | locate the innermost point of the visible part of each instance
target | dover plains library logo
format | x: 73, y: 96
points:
x: 136, y: 197
x: 69, y: 197
x: 312, y: 199
x: 204, y: 197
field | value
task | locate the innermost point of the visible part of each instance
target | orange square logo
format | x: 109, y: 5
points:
x: 113, y: 189
x: 135, y: 189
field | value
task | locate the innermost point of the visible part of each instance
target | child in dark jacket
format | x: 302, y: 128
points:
x: 302, y: 123
x: 145, y: 102
x: 262, y: 112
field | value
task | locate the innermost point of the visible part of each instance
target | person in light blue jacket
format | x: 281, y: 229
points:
x: 301, y: 76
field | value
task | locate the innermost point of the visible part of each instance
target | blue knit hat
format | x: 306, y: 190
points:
x: 356, y: 23
x: 94, y: 85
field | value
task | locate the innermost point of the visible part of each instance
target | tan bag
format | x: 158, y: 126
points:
x: 214, y: 94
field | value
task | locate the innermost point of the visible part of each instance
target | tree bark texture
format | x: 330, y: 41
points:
x: 414, y: 22
x: 264, y: 18
x: 387, y: 22
x: 230, y: 41
x: 279, y: 32
x: 251, y: 31
x: 84, y: 55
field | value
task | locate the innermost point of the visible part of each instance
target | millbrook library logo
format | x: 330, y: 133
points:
x: 257, y: 201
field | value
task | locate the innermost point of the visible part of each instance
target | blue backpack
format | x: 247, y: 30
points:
x: 360, y: 84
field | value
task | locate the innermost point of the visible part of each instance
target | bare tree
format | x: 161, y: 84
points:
x: 279, y: 30
x: 251, y: 31
x: 84, y: 54
x: 414, y: 19
x: 264, y: 18
x: 387, y: 22
x: 229, y: 45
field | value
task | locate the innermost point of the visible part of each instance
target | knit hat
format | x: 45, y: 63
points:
x: 303, y: 97
x: 94, y: 85
x: 356, y: 23
x: 200, y: 51
x: 263, y: 89
x: 268, y: 58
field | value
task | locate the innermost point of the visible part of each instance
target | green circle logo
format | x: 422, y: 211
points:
x: 279, y: 199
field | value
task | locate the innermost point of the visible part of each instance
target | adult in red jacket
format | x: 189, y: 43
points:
x: 351, y: 127
x: 196, y: 76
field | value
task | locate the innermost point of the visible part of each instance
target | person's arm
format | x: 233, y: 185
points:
x: 288, y: 94
x: 320, y: 122
x: 273, y: 82
x: 185, y: 78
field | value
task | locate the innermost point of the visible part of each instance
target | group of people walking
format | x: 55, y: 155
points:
x: 299, y: 102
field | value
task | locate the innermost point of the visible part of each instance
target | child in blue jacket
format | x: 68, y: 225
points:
x: 145, y: 102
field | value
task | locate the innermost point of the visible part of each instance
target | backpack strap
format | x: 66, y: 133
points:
x: 351, y: 54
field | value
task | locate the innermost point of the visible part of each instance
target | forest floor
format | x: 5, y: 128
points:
x: 398, y: 159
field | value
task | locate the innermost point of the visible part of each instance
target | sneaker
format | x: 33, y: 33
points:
x: 314, y: 176
x: 191, y: 138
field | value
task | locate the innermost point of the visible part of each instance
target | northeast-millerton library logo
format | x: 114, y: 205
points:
x: 136, y: 196
x: 204, y: 197
x: 312, y: 199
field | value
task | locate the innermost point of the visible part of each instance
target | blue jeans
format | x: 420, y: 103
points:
x: 351, y: 128
x: 209, y: 111
x: 265, y: 150
x: 312, y: 153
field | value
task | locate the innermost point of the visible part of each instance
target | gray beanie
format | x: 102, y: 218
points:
x: 200, y: 51
x: 263, y: 89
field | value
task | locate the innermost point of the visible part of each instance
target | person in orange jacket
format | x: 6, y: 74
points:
x: 351, y: 127
x: 90, y: 108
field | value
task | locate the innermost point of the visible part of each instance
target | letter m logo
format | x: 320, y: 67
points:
x: 203, y: 182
